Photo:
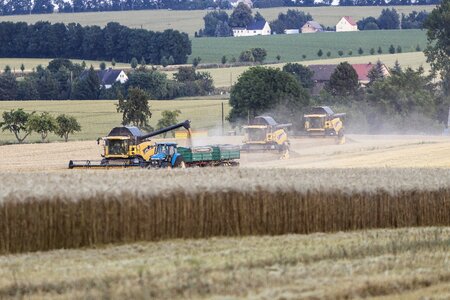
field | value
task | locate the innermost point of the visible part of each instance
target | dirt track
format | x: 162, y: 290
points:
x: 360, y: 151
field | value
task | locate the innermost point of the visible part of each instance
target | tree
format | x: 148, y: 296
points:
x: 379, y: 51
x: 22, y: 68
x: 16, y: 121
x: 303, y: 74
x: 343, y: 81
x: 328, y: 53
x: 292, y: 19
x: 278, y: 57
x: 376, y: 73
x: 389, y: 19
x: 399, y: 49
x: 391, y: 49
x: 113, y: 62
x: 360, y: 51
x: 438, y: 36
x: 224, y: 60
x: 134, y: 63
x: 87, y: 87
x: 340, y: 52
x: 196, y: 61
x: 170, y: 60
x: 42, y: 124
x: 102, y: 66
x: 7, y: 69
x: 350, y: 52
x: 320, y: 53
x: 8, y: 86
x: 66, y: 125
x: 212, y: 20
x: 223, y: 29
x: 246, y: 56
x: 241, y: 16
x: 372, y: 51
x: 164, y: 61
x: 259, y: 54
x: 42, y: 7
x: 135, y: 108
x: 168, y: 118
x: 263, y: 90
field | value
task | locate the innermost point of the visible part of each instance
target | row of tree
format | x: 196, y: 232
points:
x: 390, y: 19
x: 22, y: 124
x: 20, y: 7
x: 114, y: 41
x: 62, y: 80
x: 218, y: 23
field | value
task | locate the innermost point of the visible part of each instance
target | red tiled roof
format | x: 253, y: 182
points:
x: 350, y: 20
x: 363, y: 70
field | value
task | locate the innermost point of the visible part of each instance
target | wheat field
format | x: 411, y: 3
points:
x: 88, y: 209
x: 411, y: 263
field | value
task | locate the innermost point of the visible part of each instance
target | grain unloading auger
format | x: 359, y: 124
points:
x: 126, y: 147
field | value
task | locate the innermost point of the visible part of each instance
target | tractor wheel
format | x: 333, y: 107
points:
x: 179, y: 163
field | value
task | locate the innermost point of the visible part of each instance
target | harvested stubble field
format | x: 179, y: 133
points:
x: 389, y: 264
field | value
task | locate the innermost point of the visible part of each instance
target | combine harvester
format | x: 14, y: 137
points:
x: 265, y: 134
x: 126, y: 147
x: 323, y: 122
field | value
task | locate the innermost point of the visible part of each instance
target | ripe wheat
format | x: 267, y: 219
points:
x: 88, y: 208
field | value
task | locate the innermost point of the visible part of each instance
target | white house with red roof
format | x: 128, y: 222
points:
x: 346, y: 24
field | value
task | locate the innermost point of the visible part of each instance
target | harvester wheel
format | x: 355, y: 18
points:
x: 341, y: 137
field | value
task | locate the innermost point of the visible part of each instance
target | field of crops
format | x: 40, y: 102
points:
x: 293, y: 47
x: 391, y: 264
x: 191, y: 21
x: 98, y: 117
x: 88, y: 209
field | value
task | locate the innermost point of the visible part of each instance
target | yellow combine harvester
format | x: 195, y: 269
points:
x: 263, y: 133
x: 126, y: 147
x: 322, y: 121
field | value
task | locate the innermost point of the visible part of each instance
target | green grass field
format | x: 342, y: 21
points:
x: 98, y: 117
x: 293, y: 47
x: 191, y: 21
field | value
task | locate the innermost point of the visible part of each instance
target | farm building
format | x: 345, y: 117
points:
x: 234, y: 3
x: 291, y: 31
x: 322, y: 74
x: 108, y: 77
x: 256, y: 28
x: 311, y: 27
x: 346, y: 24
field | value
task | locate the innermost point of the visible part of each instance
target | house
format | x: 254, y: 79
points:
x: 235, y: 3
x: 256, y: 28
x: 346, y: 24
x: 108, y: 77
x: 363, y: 71
x: 322, y: 74
x: 311, y: 26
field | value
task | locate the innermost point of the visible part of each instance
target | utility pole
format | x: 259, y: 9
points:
x: 222, y: 120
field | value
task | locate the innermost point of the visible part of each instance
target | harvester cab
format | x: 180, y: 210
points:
x: 264, y: 133
x: 322, y: 121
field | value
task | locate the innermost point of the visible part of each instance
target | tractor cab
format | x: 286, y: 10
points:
x: 166, y: 155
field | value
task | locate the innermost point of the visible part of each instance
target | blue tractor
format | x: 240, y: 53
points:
x: 166, y: 156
